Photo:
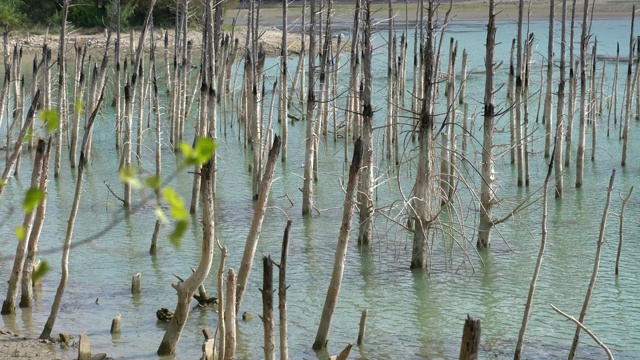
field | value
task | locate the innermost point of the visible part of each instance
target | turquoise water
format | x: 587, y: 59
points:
x: 411, y: 315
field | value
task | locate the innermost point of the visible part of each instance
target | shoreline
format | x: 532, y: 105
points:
x: 15, y: 346
x: 342, y: 19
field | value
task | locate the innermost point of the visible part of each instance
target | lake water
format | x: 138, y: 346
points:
x: 412, y: 315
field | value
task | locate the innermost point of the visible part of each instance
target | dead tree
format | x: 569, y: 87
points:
x: 423, y: 189
x: 547, y: 117
x: 307, y: 189
x: 365, y: 194
x: 61, y: 87
x: 27, y: 271
x: 11, y: 160
x: 48, y: 327
x: 596, y: 265
x: 584, y: 41
x: 256, y: 223
x: 187, y: 288
x: 267, y: 309
x: 487, y: 198
x: 322, y: 336
x: 9, y: 305
x: 282, y: 294
x: 559, y: 137
x: 534, y: 279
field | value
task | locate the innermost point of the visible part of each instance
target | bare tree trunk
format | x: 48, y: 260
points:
x: 572, y: 90
x: 365, y: 194
x: 186, y: 289
x: 470, y: 345
x: 230, y: 318
x: 547, y: 117
x: 156, y: 111
x: 32, y: 246
x: 631, y: 83
x: 11, y: 160
x: 341, y: 251
x: 307, y: 189
x: 596, y: 265
x: 518, y: 97
x: 488, y: 174
x: 118, y: 80
x: 9, y: 305
x: 221, y: 303
x: 423, y: 188
x: 48, y: 327
x: 559, y: 140
x: 77, y: 111
x: 267, y: 309
x: 536, y: 270
x: 284, y: 81
x: 256, y: 224
x: 593, y: 95
x: 511, y: 95
x: 624, y: 203
x: 584, y: 41
x: 282, y: 294
x: 61, y: 86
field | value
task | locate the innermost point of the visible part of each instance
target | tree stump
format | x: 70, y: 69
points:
x: 115, y: 325
x: 84, y: 349
x: 136, y: 286
x: 470, y: 339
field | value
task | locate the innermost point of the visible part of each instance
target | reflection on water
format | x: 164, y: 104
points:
x: 412, y: 315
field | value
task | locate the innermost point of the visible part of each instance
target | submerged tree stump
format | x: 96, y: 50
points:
x: 470, y: 339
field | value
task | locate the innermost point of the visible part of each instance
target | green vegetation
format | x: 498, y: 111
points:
x: 19, y: 14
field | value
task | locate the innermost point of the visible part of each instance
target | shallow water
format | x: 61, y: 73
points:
x: 411, y: 315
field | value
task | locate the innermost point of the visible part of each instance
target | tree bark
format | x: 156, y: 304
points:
x: 256, y: 224
x: 11, y: 160
x: 559, y: 140
x: 423, y: 188
x: 186, y: 289
x: 267, y: 309
x: 365, y: 194
x: 9, y: 305
x: 27, y: 270
x: 48, y: 327
x: 341, y: 251
x: 282, y: 294
x: 61, y: 86
x: 307, y: 189
x: 488, y: 174
x: 584, y: 41
x: 230, y: 318
x: 596, y: 265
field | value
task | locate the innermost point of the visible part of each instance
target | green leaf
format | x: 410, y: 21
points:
x: 154, y: 182
x: 200, y: 154
x: 41, y: 270
x: 127, y: 175
x: 32, y: 199
x: 176, y: 204
x: 78, y: 107
x: 204, y: 149
x: 161, y: 216
x: 51, y: 119
x: 178, y: 232
x: 20, y: 232
x: 186, y: 151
